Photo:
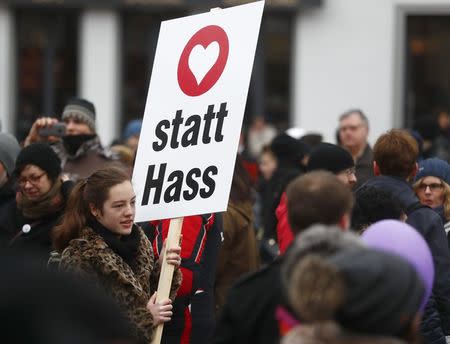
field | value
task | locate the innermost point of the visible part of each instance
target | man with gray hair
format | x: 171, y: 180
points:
x: 353, y: 134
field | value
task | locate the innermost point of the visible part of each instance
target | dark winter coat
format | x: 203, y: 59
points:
x: 429, y: 224
x: 432, y: 327
x: 130, y: 285
x: 37, y: 242
x: 364, y: 167
x: 7, y: 193
x: 445, y: 221
x: 8, y: 227
x: 272, y: 195
x: 248, y: 315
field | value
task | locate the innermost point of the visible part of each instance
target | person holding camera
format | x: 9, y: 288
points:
x: 74, y: 140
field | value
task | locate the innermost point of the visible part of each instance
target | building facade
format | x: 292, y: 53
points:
x: 391, y: 58
x: 315, y: 59
x: 103, y: 51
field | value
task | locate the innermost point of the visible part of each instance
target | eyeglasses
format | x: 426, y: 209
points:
x: 350, y: 127
x: 432, y: 186
x: 33, y: 179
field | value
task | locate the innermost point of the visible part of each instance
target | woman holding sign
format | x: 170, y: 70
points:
x: 98, y: 240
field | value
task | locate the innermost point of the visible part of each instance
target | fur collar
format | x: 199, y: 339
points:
x: 107, y: 262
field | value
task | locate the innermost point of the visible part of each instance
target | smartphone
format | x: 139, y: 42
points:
x: 57, y: 129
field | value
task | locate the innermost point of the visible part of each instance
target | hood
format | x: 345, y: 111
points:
x: 396, y: 186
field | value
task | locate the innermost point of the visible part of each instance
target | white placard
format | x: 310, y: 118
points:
x: 194, y: 112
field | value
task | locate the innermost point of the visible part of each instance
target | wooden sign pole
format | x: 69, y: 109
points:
x: 165, y: 278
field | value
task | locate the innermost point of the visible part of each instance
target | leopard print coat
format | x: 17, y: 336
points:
x: 131, y: 286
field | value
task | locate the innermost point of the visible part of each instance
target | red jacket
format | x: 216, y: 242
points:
x: 284, y: 231
x: 193, y: 308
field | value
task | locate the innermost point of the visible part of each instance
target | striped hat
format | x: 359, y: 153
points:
x: 80, y: 109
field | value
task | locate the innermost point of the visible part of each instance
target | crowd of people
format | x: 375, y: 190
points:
x: 321, y: 242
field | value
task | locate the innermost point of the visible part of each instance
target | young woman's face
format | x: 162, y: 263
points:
x: 34, y: 182
x: 431, y: 191
x: 119, y: 209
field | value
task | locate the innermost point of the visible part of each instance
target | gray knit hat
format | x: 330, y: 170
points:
x: 80, y: 109
x: 9, y: 149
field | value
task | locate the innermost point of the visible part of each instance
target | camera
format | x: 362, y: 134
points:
x: 57, y: 129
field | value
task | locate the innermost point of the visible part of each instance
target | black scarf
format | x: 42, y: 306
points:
x: 73, y: 142
x: 125, y: 246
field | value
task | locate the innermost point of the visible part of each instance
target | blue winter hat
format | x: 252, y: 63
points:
x: 133, y: 128
x: 434, y: 167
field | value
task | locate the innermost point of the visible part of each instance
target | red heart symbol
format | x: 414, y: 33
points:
x: 204, y: 37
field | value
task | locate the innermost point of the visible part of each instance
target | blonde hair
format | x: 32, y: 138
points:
x: 446, y: 202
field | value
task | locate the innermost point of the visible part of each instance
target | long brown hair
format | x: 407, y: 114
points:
x: 93, y: 190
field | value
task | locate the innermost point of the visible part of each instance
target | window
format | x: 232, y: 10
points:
x: 427, y: 67
x: 46, y: 64
x: 139, y: 38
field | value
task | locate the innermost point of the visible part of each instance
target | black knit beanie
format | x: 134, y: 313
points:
x: 287, y: 149
x: 80, y: 109
x: 41, y: 155
x: 329, y: 157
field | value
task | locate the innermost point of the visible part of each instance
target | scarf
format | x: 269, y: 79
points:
x: 76, y: 145
x: 50, y: 203
x: 126, y: 246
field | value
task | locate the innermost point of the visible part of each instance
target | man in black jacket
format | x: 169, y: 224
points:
x: 395, y: 155
x: 248, y: 315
